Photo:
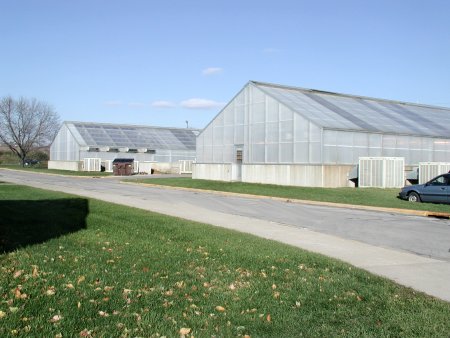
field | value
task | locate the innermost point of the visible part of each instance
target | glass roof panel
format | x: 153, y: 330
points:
x: 97, y: 134
x: 339, y: 111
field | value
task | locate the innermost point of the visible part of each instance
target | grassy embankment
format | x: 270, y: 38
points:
x: 76, y: 267
x: 386, y: 198
x: 39, y: 169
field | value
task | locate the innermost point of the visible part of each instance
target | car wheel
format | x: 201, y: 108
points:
x: 413, y: 197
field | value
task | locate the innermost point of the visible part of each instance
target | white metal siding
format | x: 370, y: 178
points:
x: 91, y: 164
x: 185, y: 166
x: 381, y: 172
x: 108, y: 166
x: 429, y: 170
x: 145, y: 167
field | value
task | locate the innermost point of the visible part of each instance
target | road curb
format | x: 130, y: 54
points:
x: 422, y: 213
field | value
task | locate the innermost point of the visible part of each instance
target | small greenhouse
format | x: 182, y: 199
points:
x: 293, y: 136
x: 84, y: 145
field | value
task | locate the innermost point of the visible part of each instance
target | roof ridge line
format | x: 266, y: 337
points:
x: 318, y: 91
x: 130, y: 125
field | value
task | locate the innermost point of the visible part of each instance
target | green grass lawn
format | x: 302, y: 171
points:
x: 56, y: 171
x: 357, y: 196
x: 73, y: 267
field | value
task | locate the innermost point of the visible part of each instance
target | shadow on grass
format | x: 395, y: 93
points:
x: 27, y: 222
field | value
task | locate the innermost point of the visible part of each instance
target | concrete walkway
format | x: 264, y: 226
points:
x: 421, y: 273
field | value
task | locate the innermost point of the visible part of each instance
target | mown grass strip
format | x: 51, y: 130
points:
x: 38, y: 169
x: 104, y: 270
x: 386, y: 198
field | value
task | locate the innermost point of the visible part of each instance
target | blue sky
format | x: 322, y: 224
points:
x: 164, y: 62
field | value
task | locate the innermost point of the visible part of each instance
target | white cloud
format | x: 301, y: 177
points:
x: 163, y: 104
x: 212, y: 71
x: 112, y: 103
x: 196, y: 103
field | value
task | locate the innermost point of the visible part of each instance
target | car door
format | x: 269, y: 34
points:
x: 447, y: 191
x: 436, y: 190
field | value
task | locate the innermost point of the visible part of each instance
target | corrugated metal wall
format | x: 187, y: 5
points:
x: 381, y: 172
x: 429, y: 170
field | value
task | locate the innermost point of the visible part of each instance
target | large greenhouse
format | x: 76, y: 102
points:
x: 78, y: 141
x: 293, y: 136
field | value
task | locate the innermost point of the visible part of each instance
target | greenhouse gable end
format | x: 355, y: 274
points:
x: 293, y: 136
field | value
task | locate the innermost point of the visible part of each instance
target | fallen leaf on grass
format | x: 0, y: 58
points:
x: 35, y: 272
x: 18, y: 293
x: 2, y: 314
x: 103, y: 314
x: 17, y: 274
x: 220, y: 308
x: 56, y: 318
x: 81, y: 279
x: 249, y: 311
x: 184, y: 331
x: 85, y: 333
x: 268, y: 318
x: 69, y: 286
x: 51, y: 291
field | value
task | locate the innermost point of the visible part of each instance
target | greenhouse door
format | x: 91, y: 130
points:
x: 238, y: 164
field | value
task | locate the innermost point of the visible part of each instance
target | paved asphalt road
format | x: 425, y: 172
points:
x: 429, y: 237
x: 411, y: 250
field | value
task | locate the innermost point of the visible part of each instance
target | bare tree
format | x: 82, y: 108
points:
x: 26, y: 124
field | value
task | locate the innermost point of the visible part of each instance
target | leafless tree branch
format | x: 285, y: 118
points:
x: 26, y: 124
